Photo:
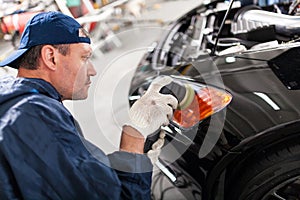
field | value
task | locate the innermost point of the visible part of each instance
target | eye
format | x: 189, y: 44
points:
x: 86, y: 58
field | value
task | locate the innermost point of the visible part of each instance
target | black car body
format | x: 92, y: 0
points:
x: 252, y: 52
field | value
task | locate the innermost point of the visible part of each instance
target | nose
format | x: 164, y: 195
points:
x: 91, y: 69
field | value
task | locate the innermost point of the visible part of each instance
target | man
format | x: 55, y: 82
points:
x: 42, y: 154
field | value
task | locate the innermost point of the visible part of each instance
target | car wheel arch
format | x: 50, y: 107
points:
x: 272, y: 138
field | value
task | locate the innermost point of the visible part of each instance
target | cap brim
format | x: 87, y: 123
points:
x: 10, y: 60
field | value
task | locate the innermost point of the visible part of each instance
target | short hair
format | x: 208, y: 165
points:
x: 30, y: 59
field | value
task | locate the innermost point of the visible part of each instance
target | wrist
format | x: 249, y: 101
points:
x: 132, y: 140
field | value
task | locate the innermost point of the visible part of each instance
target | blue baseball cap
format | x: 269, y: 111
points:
x: 47, y: 28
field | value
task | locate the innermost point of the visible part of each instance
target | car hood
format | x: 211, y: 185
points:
x: 260, y: 99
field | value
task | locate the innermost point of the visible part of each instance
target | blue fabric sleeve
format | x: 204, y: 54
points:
x: 48, y: 159
x: 135, y: 174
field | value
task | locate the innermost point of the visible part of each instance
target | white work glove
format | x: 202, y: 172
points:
x: 153, y: 109
x: 154, y: 152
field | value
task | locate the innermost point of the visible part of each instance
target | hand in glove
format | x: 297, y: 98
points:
x: 153, y: 109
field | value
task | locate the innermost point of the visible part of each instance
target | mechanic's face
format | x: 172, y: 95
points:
x: 75, y: 72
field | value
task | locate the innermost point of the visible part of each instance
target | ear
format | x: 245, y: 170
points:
x: 48, y: 55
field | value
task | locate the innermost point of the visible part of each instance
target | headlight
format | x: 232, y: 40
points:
x: 197, y: 101
x: 206, y: 101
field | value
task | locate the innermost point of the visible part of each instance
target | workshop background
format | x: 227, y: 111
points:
x: 122, y: 32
